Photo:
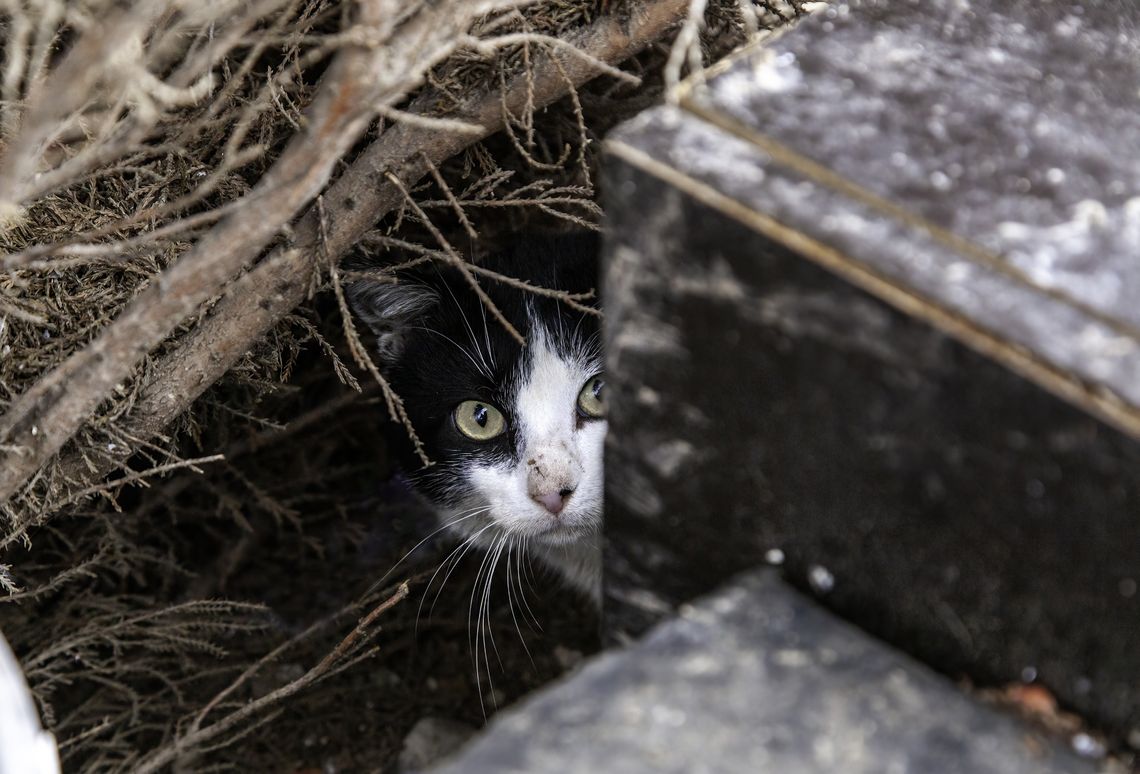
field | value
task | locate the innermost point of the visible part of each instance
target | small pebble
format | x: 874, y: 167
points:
x: 385, y: 678
x: 567, y: 658
x: 774, y: 557
x: 1134, y: 738
x: 1028, y: 674
x: 430, y: 740
x: 821, y: 579
x: 1087, y: 746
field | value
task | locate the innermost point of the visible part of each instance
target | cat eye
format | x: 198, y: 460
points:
x: 592, y: 399
x: 479, y: 421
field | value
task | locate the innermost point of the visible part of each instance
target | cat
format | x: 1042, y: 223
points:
x: 515, y: 434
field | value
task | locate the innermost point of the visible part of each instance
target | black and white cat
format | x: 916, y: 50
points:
x: 515, y: 434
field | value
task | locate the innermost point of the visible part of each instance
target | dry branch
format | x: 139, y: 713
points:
x: 380, y: 70
x: 344, y: 655
x: 355, y: 201
x: 69, y: 86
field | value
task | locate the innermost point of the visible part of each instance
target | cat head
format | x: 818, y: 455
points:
x: 515, y: 434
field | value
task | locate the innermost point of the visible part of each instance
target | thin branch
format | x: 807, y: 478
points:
x: 455, y: 205
x: 573, y: 300
x: 686, y: 48
x: 46, y: 416
x: 254, y: 303
x: 457, y: 261
x: 348, y: 649
x: 489, y: 47
x: 360, y: 352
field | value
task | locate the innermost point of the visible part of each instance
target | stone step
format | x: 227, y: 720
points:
x: 757, y: 678
x: 872, y: 298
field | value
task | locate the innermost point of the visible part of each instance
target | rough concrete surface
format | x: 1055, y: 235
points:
x: 756, y: 678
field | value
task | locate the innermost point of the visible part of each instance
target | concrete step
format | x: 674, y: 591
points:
x: 757, y: 678
x: 873, y: 302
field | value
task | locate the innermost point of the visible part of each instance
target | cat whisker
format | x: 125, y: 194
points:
x: 529, y: 575
x: 455, y: 557
x: 481, y: 367
x: 511, y: 601
x: 477, y: 615
x: 462, y: 551
x: 470, y: 332
x: 533, y: 623
x: 487, y: 337
x: 463, y: 517
x: 487, y: 597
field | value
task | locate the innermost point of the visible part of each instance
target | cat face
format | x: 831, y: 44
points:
x: 515, y: 434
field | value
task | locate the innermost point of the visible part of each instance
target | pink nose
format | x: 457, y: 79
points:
x: 554, y: 501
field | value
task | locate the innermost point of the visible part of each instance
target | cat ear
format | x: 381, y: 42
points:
x: 388, y: 308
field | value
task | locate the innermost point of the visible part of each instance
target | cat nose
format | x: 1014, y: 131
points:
x: 554, y: 501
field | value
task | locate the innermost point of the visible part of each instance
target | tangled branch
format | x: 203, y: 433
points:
x: 258, y: 299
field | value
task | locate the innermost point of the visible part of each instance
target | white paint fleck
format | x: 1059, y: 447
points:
x: 791, y: 657
x: 821, y: 579
x: 647, y: 396
x: 777, y: 73
x: 1087, y: 746
x: 667, y: 458
x: 651, y: 337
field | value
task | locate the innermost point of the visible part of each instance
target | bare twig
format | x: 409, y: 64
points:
x: 48, y: 414
x: 573, y: 300
x: 360, y: 352
x: 686, y: 48
x: 261, y: 297
x: 346, y: 653
x: 69, y: 86
x: 457, y: 261
x: 456, y: 207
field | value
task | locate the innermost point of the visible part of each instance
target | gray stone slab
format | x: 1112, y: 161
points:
x: 758, y: 679
x: 766, y: 394
x: 975, y: 160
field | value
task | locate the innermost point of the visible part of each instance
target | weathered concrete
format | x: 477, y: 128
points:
x: 988, y: 147
x: 758, y: 679
x: 816, y: 349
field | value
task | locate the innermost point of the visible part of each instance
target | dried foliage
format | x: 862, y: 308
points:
x: 185, y: 407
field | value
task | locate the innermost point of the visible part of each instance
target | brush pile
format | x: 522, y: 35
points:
x: 193, y: 514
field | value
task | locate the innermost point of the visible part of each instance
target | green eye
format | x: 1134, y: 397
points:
x: 592, y: 398
x: 479, y: 421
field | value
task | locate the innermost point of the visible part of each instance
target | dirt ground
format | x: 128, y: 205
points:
x: 304, y: 516
x: 425, y: 662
